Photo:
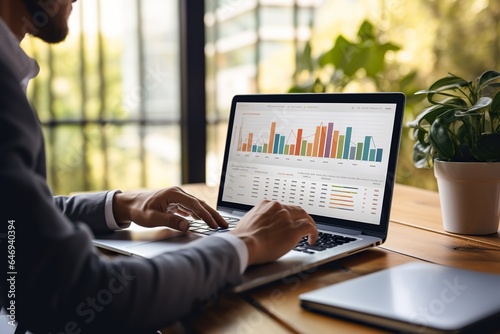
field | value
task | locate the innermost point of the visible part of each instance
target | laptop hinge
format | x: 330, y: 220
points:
x: 338, y: 229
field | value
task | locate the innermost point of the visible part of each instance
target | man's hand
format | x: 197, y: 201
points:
x: 271, y: 229
x: 164, y: 208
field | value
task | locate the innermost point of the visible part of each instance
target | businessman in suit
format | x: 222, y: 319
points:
x: 52, y: 278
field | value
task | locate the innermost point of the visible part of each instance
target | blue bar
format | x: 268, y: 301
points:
x: 379, y: 155
x: 259, y: 149
x: 347, y: 142
x: 276, y: 143
x: 254, y: 148
x: 282, y: 144
x: 366, y: 148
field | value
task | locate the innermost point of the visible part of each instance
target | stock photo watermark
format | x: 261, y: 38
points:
x: 11, y: 272
x: 88, y: 310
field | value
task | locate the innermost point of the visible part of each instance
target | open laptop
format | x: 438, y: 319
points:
x: 416, y: 297
x: 332, y: 154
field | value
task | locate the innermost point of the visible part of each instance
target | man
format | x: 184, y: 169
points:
x: 52, y: 279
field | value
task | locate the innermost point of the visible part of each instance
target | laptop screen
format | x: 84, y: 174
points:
x: 332, y: 158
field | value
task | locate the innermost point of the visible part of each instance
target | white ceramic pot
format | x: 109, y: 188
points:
x: 470, y: 196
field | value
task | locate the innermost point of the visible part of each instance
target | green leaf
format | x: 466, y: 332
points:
x: 334, y: 55
x: 422, y: 136
x: 376, y: 61
x: 456, y: 103
x: 486, y: 78
x: 421, y: 155
x: 487, y: 148
x: 482, y: 103
x: 449, y: 83
x: 440, y: 136
x: 428, y: 115
x: 495, y: 104
x: 463, y: 135
x: 366, y: 31
x: 304, y: 61
x: 345, y: 56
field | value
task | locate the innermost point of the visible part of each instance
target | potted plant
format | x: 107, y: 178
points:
x: 459, y: 135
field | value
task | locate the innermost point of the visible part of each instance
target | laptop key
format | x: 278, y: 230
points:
x: 199, y: 226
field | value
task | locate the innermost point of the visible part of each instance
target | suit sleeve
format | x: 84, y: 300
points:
x: 87, y: 208
x: 61, y: 283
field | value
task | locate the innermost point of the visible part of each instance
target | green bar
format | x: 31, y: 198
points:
x: 265, y: 148
x: 303, y: 148
x: 340, y: 148
x: 359, y: 151
x: 286, y: 148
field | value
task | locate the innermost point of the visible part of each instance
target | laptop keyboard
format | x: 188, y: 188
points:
x: 325, y: 241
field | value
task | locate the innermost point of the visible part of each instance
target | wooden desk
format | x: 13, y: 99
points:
x: 415, y: 234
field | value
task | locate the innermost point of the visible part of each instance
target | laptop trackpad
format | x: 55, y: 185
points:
x: 145, y: 242
x: 154, y: 248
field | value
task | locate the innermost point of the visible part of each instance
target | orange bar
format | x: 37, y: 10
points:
x: 321, y: 152
x: 292, y: 149
x: 316, y: 140
x: 271, y: 138
x: 335, y: 140
x: 297, y: 143
x: 250, y: 138
x: 309, y: 149
x: 239, y: 140
x: 244, y: 148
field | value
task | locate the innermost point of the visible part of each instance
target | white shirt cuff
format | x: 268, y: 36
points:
x: 108, y: 213
x: 239, y: 246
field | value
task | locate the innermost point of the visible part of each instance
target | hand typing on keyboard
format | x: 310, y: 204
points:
x: 271, y: 229
x: 166, y: 207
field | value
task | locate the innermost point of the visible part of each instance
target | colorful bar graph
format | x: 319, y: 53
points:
x: 325, y: 142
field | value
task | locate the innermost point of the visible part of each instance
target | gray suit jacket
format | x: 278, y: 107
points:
x: 62, y: 284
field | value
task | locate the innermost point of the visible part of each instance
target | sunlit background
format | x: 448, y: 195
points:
x: 109, y: 97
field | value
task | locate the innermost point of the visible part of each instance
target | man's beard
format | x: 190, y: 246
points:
x: 46, y: 20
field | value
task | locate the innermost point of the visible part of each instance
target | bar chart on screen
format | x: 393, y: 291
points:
x: 310, y: 137
x: 323, y: 157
